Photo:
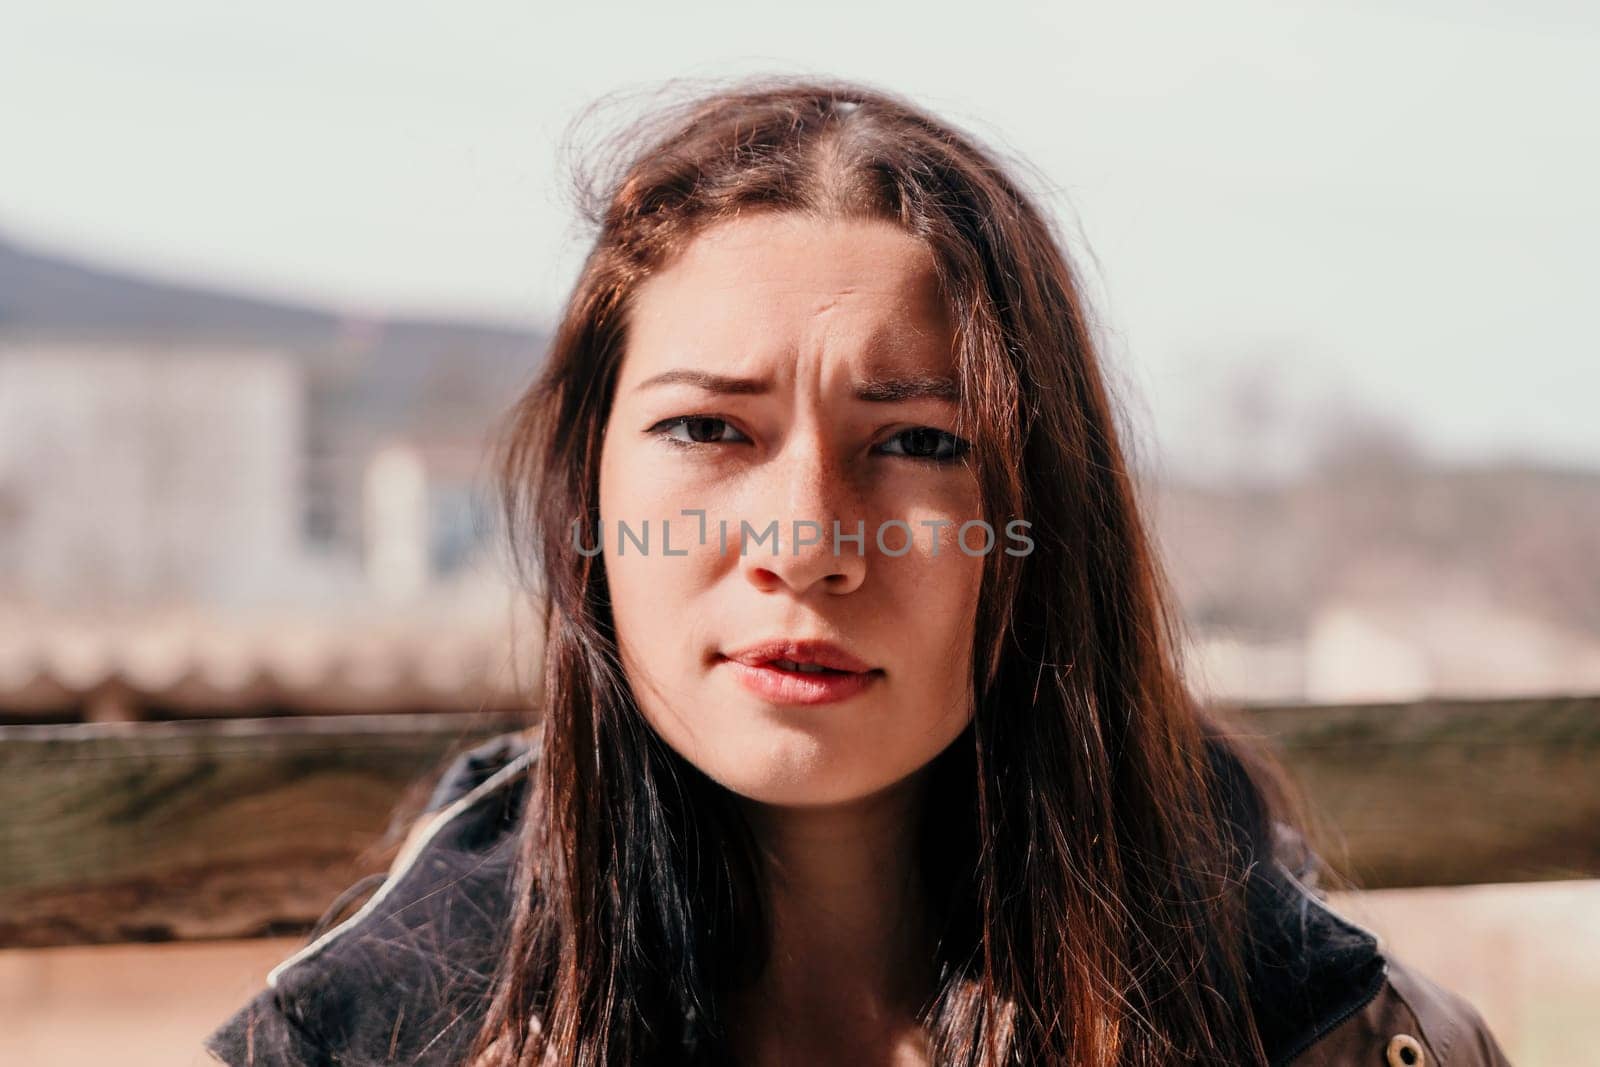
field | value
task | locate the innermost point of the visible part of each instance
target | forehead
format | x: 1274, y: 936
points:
x: 786, y: 282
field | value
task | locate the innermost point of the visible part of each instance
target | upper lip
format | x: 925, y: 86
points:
x: 820, y: 653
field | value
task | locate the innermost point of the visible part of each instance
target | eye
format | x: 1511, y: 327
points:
x: 691, y: 430
x: 926, y: 443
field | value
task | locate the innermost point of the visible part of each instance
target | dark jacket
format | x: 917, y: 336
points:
x: 404, y: 979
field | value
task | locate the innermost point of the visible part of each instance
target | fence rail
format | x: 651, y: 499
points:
x: 225, y: 828
x: 232, y: 828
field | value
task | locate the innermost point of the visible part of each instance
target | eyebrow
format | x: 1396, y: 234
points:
x: 871, y: 390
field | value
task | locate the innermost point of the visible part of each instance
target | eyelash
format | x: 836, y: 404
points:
x: 664, y: 428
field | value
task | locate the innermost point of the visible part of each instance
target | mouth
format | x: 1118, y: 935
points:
x: 808, y: 668
x: 800, y: 672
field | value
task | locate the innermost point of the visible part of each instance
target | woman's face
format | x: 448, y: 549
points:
x: 791, y: 370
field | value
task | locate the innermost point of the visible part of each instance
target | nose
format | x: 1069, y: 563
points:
x: 794, y: 544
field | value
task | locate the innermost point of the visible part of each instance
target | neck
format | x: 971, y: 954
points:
x: 851, y: 957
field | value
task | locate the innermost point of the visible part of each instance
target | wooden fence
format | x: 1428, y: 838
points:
x: 147, y: 831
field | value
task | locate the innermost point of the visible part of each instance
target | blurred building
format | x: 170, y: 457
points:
x: 1390, y: 582
x: 148, y: 472
x: 162, y: 442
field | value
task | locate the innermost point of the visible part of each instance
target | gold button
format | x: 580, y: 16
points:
x: 1405, y: 1051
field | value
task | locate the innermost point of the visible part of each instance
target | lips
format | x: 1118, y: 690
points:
x: 823, y: 654
x: 786, y: 671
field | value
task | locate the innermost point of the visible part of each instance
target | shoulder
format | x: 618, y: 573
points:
x: 1327, y: 992
x: 402, y: 979
x: 475, y: 766
x: 1412, y: 1022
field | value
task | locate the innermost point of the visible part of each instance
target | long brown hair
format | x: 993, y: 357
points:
x: 1075, y: 843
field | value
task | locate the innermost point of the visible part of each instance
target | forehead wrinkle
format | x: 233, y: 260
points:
x: 898, y: 312
x: 892, y: 360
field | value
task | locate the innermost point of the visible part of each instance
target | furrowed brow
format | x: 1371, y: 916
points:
x: 723, y: 384
x: 871, y: 390
x: 900, y: 390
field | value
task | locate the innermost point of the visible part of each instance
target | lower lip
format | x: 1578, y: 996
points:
x: 800, y: 687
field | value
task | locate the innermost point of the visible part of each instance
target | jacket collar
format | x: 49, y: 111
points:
x: 402, y: 978
x: 1310, y: 968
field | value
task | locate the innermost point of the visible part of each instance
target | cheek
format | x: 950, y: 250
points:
x: 652, y: 593
x: 933, y: 614
x: 645, y: 484
x: 626, y: 489
x: 951, y: 597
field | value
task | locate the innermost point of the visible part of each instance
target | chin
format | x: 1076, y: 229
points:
x: 823, y: 783
x: 795, y: 775
x: 799, y: 794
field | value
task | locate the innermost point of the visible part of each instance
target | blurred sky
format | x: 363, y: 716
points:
x: 1390, y: 201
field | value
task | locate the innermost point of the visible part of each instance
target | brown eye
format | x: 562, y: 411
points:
x: 697, y: 430
x: 926, y: 442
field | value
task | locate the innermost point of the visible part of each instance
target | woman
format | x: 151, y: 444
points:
x: 865, y: 739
